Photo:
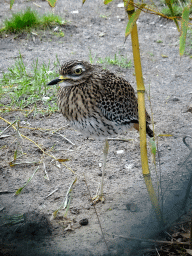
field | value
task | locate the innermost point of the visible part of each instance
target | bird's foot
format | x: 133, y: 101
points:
x: 98, y: 198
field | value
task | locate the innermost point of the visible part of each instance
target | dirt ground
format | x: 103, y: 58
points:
x: 127, y: 211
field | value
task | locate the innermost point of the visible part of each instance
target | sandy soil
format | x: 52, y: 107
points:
x: 127, y: 211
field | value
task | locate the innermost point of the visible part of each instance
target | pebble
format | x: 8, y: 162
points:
x: 120, y: 5
x: 74, y: 12
x: 84, y: 222
x: 120, y: 152
x: 102, y: 34
x: 56, y: 29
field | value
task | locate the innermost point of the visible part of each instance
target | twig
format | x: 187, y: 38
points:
x: 61, y: 128
x: 7, y: 127
x: 157, y: 251
x: 4, y: 136
x: 37, y: 145
x: 169, y: 235
x: 51, y: 193
x: 37, y: 5
x: 96, y: 213
x: 47, y: 176
x: 14, y: 163
x: 65, y: 138
x: 20, y: 189
x: 117, y: 139
x: 19, y: 138
x: 67, y: 200
x: 152, y: 241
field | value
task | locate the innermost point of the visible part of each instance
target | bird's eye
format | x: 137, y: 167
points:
x: 78, y: 71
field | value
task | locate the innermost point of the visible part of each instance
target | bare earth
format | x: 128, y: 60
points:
x: 127, y: 211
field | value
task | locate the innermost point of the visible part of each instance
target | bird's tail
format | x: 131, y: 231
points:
x: 148, y: 129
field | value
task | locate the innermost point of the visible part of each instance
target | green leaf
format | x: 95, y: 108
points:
x: 15, y: 154
x: 83, y: 1
x: 66, y: 203
x: 133, y: 20
x: 52, y: 2
x: 107, y: 1
x: 169, y: 4
x: 153, y: 146
x: 11, y: 3
x: 20, y: 189
x: 184, y: 27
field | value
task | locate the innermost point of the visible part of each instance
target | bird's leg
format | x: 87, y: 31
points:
x: 99, y: 196
x: 105, y: 153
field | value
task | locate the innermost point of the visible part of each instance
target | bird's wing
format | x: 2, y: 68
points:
x: 117, y: 100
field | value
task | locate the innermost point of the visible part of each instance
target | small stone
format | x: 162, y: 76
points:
x: 68, y: 228
x: 120, y: 5
x: 56, y: 29
x: 175, y: 99
x: 74, y: 12
x: 84, y: 222
x: 129, y: 166
x: 102, y: 34
x: 120, y: 152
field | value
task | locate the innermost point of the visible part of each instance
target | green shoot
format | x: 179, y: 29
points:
x: 118, y: 61
x: 20, y: 189
x: 22, y: 88
x: 25, y: 21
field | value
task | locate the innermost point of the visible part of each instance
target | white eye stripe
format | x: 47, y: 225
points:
x: 78, y: 67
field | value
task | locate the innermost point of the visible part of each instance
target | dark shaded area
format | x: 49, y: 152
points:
x: 24, y: 236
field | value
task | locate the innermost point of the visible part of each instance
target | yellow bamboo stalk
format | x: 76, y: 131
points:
x: 140, y: 92
x: 142, y: 117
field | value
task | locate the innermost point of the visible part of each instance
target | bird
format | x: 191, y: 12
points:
x: 98, y: 103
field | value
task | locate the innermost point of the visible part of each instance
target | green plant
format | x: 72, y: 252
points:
x: 52, y: 3
x: 177, y: 8
x: 26, y: 88
x: 120, y: 61
x: 91, y: 58
x: 25, y: 21
x: 103, y: 16
x: 59, y: 34
x: 51, y: 19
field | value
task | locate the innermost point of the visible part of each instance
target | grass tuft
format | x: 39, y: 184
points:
x: 177, y: 8
x: 120, y: 61
x: 25, y: 21
x: 22, y: 88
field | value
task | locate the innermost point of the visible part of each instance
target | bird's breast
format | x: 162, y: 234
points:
x: 75, y: 103
x: 84, y: 111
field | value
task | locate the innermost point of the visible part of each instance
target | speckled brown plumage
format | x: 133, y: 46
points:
x: 96, y: 101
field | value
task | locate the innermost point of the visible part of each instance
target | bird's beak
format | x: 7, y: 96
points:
x: 58, y: 80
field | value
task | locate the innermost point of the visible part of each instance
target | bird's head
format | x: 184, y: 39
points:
x: 73, y: 72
